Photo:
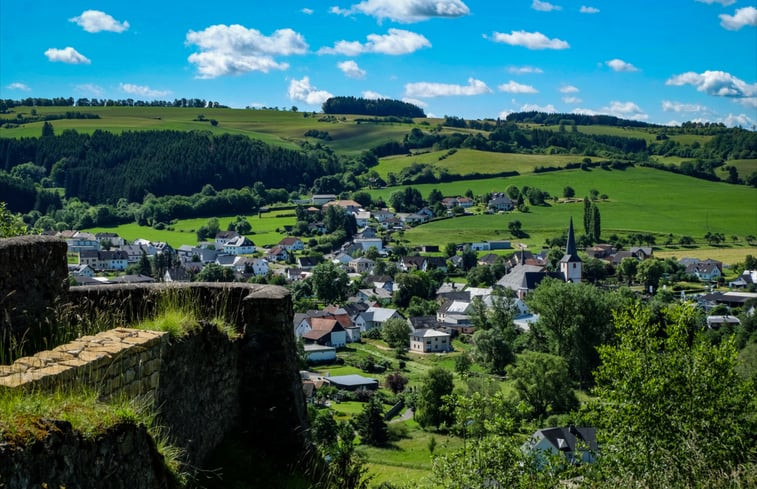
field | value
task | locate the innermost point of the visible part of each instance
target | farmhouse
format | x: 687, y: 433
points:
x: 429, y: 341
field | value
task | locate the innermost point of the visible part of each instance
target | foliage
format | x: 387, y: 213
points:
x: 323, y: 428
x: 10, y: 224
x: 543, y: 382
x: 330, y: 283
x: 213, y: 272
x: 413, y: 284
x: 492, y: 350
x: 396, y: 382
x: 376, y: 107
x: 665, y: 394
x: 396, y: 333
x: 430, y: 409
x: 371, y: 425
x: 462, y: 364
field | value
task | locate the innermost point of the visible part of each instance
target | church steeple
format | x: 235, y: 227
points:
x: 570, y: 264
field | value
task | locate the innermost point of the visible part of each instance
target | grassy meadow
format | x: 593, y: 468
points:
x: 640, y: 200
x: 183, y: 231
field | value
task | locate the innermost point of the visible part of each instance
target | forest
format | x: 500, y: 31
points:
x: 378, y: 107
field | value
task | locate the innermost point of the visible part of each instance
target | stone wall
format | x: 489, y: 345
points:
x: 124, y: 457
x: 33, y: 279
x: 119, y: 361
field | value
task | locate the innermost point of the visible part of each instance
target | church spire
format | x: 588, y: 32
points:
x: 570, y: 249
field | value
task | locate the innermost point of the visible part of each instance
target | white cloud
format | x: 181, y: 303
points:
x: 351, y: 69
x: 19, y: 86
x: 670, y: 106
x: 569, y: 89
x: 748, y: 102
x: 718, y: 83
x: 235, y: 49
x: 724, y: 3
x: 67, y: 55
x: 742, y: 120
x: 515, y: 87
x: 572, y: 100
x: 143, y: 90
x: 503, y: 115
x: 307, y: 11
x: 96, y: 21
x: 584, y: 111
x: 90, y: 89
x: 625, y: 110
x: 395, y: 42
x: 740, y: 18
x: 406, y: 11
x: 530, y: 40
x: 524, y: 70
x: 620, y: 65
x: 371, y: 95
x: 544, y: 6
x: 302, y: 90
x: 431, y: 89
x: 588, y: 10
x: 415, y: 101
x: 549, y: 108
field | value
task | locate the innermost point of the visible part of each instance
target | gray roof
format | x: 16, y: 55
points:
x: 351, y: 380
x: 526, y: 277
x: 565, y: 439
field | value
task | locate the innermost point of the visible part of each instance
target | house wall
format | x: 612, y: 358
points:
x: 338, y: 338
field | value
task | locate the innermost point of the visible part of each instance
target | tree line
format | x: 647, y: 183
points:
x: 377, y: 107
x: 7, y: 104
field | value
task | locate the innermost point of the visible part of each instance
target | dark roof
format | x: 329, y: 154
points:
x: 488, y: 259
x: 132, y: 279
x: 565, y: 439
x: 424, y: 322
x: 457, y: 295
x: 308, y: 261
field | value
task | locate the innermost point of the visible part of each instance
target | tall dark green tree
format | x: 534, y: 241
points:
x: 371, y: 425
x: 587, y: 216
x: 330, y: 283
x: 596, y: 223
x: 430, y: 409
x: 47, y: 130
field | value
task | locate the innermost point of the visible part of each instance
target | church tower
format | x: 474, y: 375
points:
x: 570, y: 264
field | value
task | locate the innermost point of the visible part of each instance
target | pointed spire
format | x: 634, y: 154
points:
x: 570, y: 249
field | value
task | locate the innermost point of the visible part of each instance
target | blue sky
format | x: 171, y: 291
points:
x: 657, y: 61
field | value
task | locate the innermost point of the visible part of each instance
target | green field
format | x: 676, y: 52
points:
x: 466, y: 161
x: 640, y: 200
x: 263, y: 227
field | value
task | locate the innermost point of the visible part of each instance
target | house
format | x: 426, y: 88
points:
x: 500, y: 202
x: 480, y: 246
x: 112, y: 238
x: 450, y: 202
x: 641, y: 252
x: 320, y: 353
x: 412, y: 263
x: 383, y: 215
x: 134, y: 252
x: 375, y: 317
x: 292, y: 244
x: 112, y: 260
x: 374, y: 294
x: 488, y: 259
x: 426, y: 212
x: 320, y: 199
x: 705, y: 270
x: 718, y: 321
x: 349, y: 206
x: 223, y: 237
x: 258, y: 266
x: 524, y: 278
x: 499, y: 245
x: 601, y: 251
x: 423, y: 322
x: 414, y: 219
x: 78, y: 240
x: 178, y: 274
x: 367, y: 243
x: 81, y: 271
x: 162, y: 247
x: 362, y: 265
x: 362, y: 218
x: 353, y: 382
x: 132, y: 279
x: 193, y: 253
x: 308, y: 262
x: 325, y: 331
x: 381, y: 281
x: 747, y: 277
x: 434, y: 263
x: 576, y: 444
x: 429, y: 341
x: 277, y: 253
x: 238, y: 246
x: 295, y: 274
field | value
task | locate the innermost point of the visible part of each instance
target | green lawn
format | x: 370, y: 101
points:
x: 465, y: 161
x: 640, y: 200
x: 263, y: 227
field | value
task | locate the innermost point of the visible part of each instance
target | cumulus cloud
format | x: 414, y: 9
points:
x: 395, y: 42
x: 670, y: 106
x: 549, y: 108
x: 625, y: 110
x: 235, y: 49
x: 503, y: 115
x: 19, y: 86
x: 748, y: 102
x: 407, y: 11
x: 530, y: 40
x: 515, y: 87
x: 431, y: 89
x: 569, y: 89
x: 588, y: 10
x: 524, y: 70
x: 718, y: 83
x: 143, y: 90
x: 742, y: 120
x: 572, y: 100
x: 351, y: 69
x: 415, y: 101
x: 620, y: 65
x: 742, y: 16
x: 544, y: 6
x: 371, y: 95
x: 90, y: 89
x: 67, y: 55
x: 96, y: 21
x: 584, y: 111
x: 724, y: 3
x: 307, y: 11
x: 302, y: 90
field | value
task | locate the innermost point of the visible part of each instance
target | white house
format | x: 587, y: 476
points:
x: 375, y: 317
x: 429, y: 341
x: 292, y: 244
x: 239, y: 246
x: 362, y: 218
x: 575, y: 444
x: 319, y: 353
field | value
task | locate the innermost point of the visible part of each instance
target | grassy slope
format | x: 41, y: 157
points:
x: 466, y: 161
x: 264, y: 228
x: 641, y: 199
